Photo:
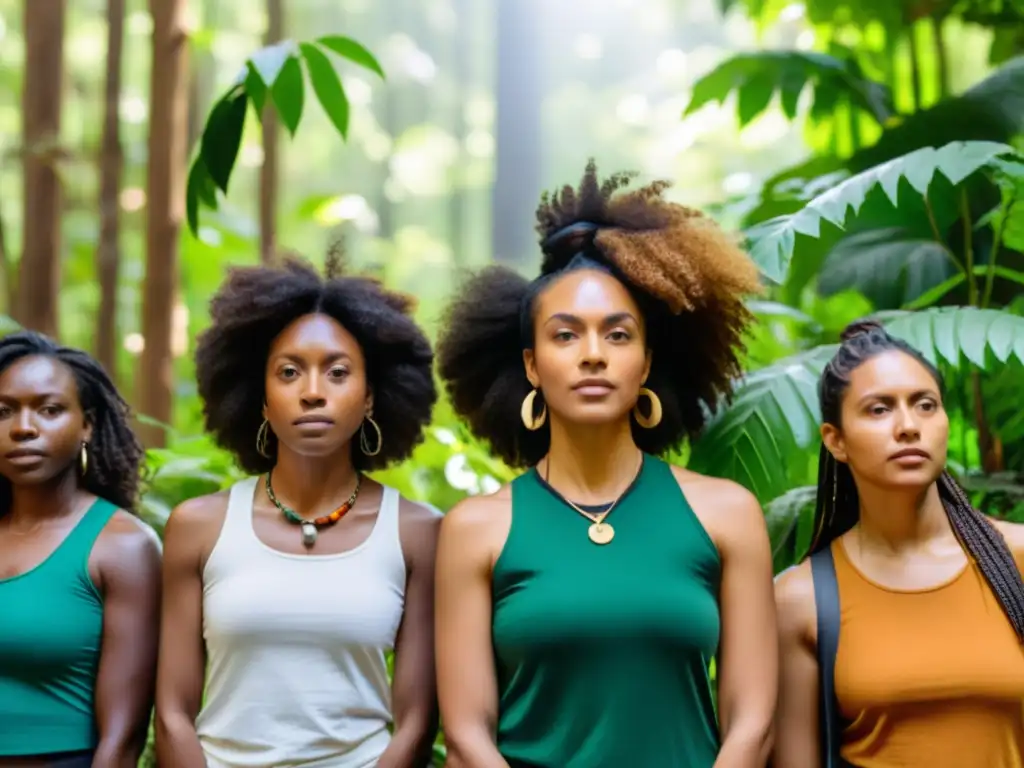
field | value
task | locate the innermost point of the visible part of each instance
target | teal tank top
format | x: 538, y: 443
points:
x: 602, y: 652
x: 51, y: 624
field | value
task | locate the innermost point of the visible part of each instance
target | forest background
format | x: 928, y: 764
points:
x: 869, y: 150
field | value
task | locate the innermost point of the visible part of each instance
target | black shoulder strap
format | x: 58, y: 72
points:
x: 826, y: 599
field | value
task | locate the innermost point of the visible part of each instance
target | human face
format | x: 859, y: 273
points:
x: 895, y: 432
x: 589, y: 358
x: 42, y: 425
x: 316, y: 388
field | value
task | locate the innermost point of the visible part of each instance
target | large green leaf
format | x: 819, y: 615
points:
x: 348, y: 48
x: 327, y: 86
x: 756, y: 77
x: 885, y: 265
x: 764, y: 439
x: 772, y: 242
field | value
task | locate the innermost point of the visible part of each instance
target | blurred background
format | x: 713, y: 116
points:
x: 752, y: 108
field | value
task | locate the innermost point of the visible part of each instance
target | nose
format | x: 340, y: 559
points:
x: 593, y: 352
x: 312, y: 396
x: 907, y: 427
x: 23, y: 426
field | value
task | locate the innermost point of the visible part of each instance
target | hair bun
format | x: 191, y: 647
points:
x: 860, y: 328
x: 564, y: 243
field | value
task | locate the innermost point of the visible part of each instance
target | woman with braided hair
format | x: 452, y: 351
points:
x: 79, y: 572
x: 902, y: 634
x: 579, y: 608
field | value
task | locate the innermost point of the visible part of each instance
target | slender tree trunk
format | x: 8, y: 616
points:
x: 165, y: 191
x: 42, y: 91
x: 269, y: 169
x: 111, y: 160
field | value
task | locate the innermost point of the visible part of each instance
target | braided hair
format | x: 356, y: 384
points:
x: 115, y: 453
x: 838, y: 505
x: 689, y: 280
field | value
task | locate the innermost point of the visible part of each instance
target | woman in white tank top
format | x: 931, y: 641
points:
x: 285, y: 593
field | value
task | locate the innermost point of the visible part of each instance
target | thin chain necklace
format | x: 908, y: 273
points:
x: 310, y: 528
x: 600, y: 532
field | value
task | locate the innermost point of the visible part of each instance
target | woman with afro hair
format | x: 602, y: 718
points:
x: 79, y: 572
x: 579, y: 608
x: 285, y: 593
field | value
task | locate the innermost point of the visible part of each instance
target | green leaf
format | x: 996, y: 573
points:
x: 773, y: 241
x: 270, y: 61
x: 757, y: 76
x: 353, y: 51
x: 222, y: 137
x: 327, y: 86
x: 257, y: 90
x: 790, y: 520
x: 288, y: 94
x: 950, y: 334
x: 885, y: 265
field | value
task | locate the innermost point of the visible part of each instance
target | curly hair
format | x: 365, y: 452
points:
x: 689, y: 279
x: 115, y: 453
x: 255, y: 304
x: 838, y: 505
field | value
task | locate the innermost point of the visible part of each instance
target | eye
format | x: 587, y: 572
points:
x: 928, y: 405
x: 288, y: 372
x: 878, y: 409
x: 51, y: 410
x: 5, y: 411
x: 563, y: 336
x: 619, y: 335
x: 338, y: 373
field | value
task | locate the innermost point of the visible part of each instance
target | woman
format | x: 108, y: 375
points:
x: 287, y: 591
x: 580, y: 607
x: 929, y: 669
x: 79, y: 574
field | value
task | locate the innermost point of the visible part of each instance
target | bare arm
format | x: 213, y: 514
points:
x: 190, y: 531
x: 128, y: 555
x: 797, y: 732
x: 748, y: 658
x: 414, y: 687
x: 466, y: 680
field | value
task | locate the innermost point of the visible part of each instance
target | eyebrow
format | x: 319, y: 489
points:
x: 617, y: 317
x: 333, y: 357
x: 917, y: 395
x: 34, y: 397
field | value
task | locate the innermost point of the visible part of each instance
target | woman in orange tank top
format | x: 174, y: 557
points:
x: 929, y: 667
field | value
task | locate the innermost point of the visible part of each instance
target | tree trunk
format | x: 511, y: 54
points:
x: 165, y: 192
x: 111, y: 160
x: 269, y: 169
x: 42, y: 91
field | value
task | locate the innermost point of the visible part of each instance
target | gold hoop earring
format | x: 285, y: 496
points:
x: 262, y: 434
x: 531, y: 422
x: 364, y: 441
x: 83, y: 459
x: 648, y: 422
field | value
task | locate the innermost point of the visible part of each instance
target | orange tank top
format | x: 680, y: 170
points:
x: 927, y: 679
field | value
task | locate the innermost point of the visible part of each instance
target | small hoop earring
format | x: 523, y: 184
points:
x: 648, y: 422
x: 83, y: 459
x: 531, y: 422
x: 364, y: 441
x: 262, y: 434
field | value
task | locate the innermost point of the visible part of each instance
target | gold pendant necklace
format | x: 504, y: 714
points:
x: 600, y: 532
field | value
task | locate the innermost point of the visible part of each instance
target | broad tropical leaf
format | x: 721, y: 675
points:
x: 772, y: 242
x: 764, y: 439
x: 273, y: 74
x: 885, y: 265
x: 790, y: 520
x: 756, y: 77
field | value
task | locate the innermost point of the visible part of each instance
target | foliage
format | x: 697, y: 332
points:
x: 272, y: 76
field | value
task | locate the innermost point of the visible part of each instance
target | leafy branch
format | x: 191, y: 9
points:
x: 272, y: 76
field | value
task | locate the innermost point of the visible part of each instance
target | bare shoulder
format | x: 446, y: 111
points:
x: 418, y: 527
x: 724, y: 507
x: 127, y: 545
x: 479, y: 524
x: 194, y: 525
x: 794, y: 601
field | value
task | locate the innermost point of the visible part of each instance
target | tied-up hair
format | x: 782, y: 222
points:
x: 688, y: 277
x: 838, y: 504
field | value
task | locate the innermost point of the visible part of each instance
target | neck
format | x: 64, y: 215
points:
x: 902, y: 520
x: 52, y: 499
x: 313, y: 485
x: 592, y: 464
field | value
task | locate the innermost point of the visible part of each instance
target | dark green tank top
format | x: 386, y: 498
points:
x: 51, y: 624
x: 602, y: 652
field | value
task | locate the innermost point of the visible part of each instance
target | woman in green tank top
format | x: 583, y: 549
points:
x: 580, y: 607
x: 79, y: 577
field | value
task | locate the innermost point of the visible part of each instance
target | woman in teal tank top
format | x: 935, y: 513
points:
x: 579, y: 609
x: 79, y: 577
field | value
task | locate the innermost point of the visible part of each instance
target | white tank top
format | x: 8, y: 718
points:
x: 296, y: 646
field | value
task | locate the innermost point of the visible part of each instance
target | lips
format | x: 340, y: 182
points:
x: 910, y: 455
x: 314, y: 421
x: 593, y: 387
x: 25, y: 457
